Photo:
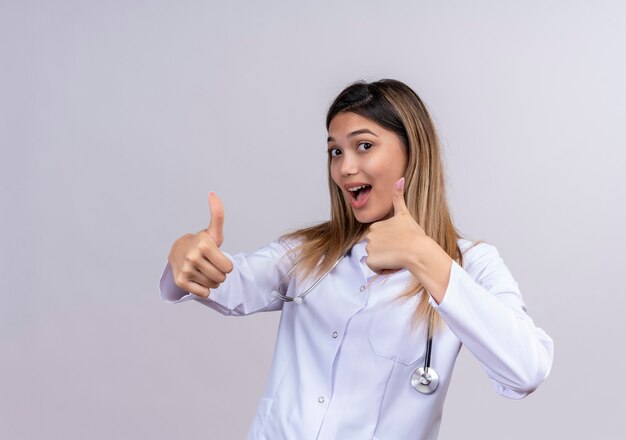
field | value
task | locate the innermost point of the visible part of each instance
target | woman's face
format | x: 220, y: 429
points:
x: 364, y: 153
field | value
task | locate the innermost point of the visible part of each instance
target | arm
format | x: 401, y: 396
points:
x: 247, y: 289
x: 483, y: 307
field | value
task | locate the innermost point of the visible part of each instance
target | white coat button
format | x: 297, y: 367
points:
x: 362, y: 288
x: 334, y: 334
x: 320, y: 399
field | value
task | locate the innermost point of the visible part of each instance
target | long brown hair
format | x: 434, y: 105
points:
x: 396, y: 107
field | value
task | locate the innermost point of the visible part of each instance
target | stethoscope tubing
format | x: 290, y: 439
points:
x: 298, y: 299
x: 429, y: 349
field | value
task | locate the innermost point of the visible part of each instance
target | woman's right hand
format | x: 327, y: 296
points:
x: 196, y: 260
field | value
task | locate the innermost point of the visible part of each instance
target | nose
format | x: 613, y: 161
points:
x: 349, y: 165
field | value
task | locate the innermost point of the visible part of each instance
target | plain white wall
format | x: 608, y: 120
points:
x: 117, y: 118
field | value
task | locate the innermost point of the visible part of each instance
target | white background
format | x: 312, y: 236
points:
x: 117, y: 118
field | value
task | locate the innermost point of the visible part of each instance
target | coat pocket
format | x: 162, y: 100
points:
x: 392, y: 336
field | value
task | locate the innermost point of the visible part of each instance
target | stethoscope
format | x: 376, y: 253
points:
x: 424, y: 379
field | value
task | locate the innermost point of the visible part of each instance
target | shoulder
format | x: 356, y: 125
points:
x: 483, y: 262
x: 289, y: 247
x: 474, y: 251
x: 279, y: 249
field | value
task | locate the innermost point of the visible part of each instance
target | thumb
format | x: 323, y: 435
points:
x: 216, y: 225
x: 399, y: 207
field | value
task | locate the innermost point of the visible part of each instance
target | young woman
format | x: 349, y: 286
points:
x: 376, y: 302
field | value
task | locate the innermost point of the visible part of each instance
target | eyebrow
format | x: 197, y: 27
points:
x: 354, y: 133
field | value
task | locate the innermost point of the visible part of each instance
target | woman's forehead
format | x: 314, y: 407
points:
x: 347, y: 123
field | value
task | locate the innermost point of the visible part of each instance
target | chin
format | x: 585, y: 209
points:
x: 367, y: 218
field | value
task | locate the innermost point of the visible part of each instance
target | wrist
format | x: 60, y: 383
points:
x: 418, y: 253
x: 432, y: 266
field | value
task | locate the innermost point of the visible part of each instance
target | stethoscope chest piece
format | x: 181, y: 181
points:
x: 425, y: 380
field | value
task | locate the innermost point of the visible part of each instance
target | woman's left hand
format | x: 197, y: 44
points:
x: 392, y: 243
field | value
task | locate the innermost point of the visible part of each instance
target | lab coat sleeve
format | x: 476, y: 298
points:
x: 484, y: 308
x: 247, y: 289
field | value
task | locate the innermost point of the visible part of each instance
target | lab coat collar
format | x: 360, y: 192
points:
x: 359, y: 254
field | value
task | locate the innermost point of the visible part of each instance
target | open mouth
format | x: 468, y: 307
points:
x: 361, y: 193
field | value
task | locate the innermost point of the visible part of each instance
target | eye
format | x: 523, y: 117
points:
x: 367, y: 147
x: 333, y: 152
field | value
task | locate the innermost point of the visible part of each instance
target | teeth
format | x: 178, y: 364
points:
x: 357, y: 188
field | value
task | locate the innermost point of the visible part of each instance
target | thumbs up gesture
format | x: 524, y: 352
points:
x: 393, y: 242
x: 196, y: 260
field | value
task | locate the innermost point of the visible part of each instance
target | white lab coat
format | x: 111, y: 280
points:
x: 343, y: 360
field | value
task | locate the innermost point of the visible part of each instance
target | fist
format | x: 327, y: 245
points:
x: 196, y: 260
x: 392, y: 243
